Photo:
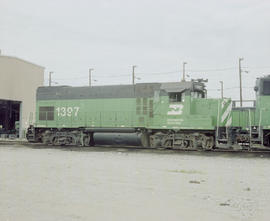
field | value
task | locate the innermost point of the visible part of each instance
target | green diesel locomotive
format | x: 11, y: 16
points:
x: 169, y: 115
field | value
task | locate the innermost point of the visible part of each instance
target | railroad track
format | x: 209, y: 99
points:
x: 123, y: 147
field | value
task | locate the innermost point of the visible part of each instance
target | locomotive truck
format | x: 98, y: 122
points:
x: 175, y: 115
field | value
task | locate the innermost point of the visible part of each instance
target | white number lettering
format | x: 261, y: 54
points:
x: 67, y: 111
x: 58, y: 111
x: 76, y: 111
x: 63, y: 111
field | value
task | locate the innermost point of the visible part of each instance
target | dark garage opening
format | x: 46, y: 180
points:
x: 9, y: 118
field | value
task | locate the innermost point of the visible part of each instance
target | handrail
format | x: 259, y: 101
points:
x: 250, y: 134
x: 260, y: 123
x: 234, y: 102
x: 218, y: 118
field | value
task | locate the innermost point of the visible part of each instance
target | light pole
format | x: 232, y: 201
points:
x: 50, y: 78
x: 221, y: 89
x: 133, y: 74
x: 90, y: 76
x: 184, y: 71
x: 240, y: 79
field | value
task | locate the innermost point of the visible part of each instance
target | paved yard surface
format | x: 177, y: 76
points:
x: 127, y: 184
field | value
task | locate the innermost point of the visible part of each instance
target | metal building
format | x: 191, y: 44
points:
x: 19, y: 80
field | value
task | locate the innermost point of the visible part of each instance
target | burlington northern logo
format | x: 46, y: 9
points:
x: 175, y: 109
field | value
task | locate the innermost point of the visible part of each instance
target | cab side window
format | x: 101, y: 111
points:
x: 175, y: 97
x: 266, y: 88
x: 46, y: 113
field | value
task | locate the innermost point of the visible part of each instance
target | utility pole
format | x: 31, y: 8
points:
x: 133, y: 74
x: 50, y: 78
x: 240, y: 79
x: 184, y: 71
x: 221, y: 89
x: 90, y: 76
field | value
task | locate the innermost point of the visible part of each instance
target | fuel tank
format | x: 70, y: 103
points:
x: 128, y: 139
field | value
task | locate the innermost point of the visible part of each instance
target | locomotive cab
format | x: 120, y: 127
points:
x: 199, y: 90
x: 181, y: 96
x: 184, y: 118
x: 262, y: 89
x: 177, y: 92
x: 251, y: 125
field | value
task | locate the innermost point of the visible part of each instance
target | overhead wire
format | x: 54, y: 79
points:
x: 228, y: 88
x: 145, y: 74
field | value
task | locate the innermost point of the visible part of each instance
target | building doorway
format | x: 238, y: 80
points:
x: 9, y: 118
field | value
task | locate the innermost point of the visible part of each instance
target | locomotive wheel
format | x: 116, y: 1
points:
x: 92, y: 141
x: 207, y: 143
x: 167, y: 144
x: 45, y: 140
x: 181, y: 144
x: 86, y: 141
x: 184, y: 144
x: 154, y: 142
x: 145, y: 139
x: 55, y: 141
x: 191, y: 145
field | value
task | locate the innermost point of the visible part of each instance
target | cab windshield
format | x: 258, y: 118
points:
x: 197, y: 94
x: 266, y: 88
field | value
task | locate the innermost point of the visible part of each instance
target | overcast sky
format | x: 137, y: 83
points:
x: 68, y: 37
